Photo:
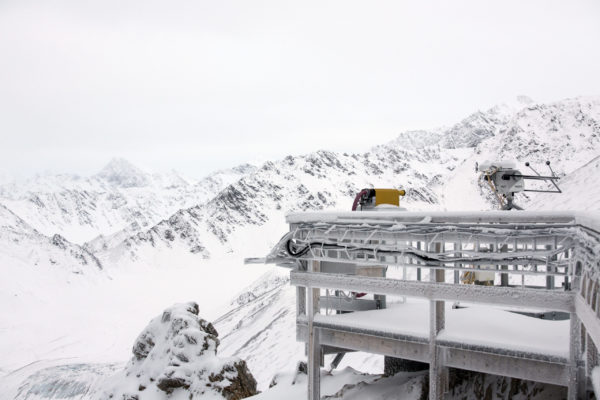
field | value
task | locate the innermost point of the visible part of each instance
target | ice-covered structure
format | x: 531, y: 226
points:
x: 544, y: 264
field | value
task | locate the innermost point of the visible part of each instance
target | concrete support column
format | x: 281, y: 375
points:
x: 438, y: 374
x: 314, y: 347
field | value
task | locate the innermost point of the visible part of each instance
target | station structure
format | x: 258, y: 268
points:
x: 536, y: 319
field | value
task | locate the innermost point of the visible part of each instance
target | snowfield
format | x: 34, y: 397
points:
x: 88, y: 262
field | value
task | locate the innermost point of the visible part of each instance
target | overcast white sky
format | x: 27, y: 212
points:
x: 199, y: 85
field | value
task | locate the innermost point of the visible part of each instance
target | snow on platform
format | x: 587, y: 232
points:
x: 489, y: 328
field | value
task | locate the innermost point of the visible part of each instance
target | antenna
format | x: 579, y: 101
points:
x: 505, y: 180
x: 552, y: 179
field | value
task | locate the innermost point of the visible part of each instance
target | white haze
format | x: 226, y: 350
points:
x: 200, y: 85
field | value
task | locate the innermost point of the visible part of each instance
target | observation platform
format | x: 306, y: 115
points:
x: 350, y: 269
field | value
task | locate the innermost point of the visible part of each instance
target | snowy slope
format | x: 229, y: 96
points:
x: 261, y: 327
x: 567, y: 133
x: 580, y: 191
x: 20, y: 244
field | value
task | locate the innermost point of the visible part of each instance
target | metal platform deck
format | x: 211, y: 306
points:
x: 471, y: 333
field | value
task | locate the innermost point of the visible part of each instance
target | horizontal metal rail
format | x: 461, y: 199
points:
x: 509, y: 296
x: 443, y: 217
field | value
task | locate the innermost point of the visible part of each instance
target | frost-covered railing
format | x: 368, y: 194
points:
x: 539, y: 260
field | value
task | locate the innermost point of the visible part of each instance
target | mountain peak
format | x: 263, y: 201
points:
x: 121, y: 172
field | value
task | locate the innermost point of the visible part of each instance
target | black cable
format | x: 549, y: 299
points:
x: 419, y: 257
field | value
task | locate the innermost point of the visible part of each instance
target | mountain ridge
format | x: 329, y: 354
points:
x: 424, y: 167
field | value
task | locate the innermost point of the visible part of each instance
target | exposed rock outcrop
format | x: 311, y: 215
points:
x: 175, y: 357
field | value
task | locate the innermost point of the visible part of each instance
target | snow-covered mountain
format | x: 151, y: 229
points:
x: 315, y: 181
x: 435, y: 167
x: 119, y: 197
x: 121, y: 173
x: 21, y: 245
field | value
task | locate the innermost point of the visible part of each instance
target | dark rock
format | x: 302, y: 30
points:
x: 143, y: 345
x: 242, y: 385
x: 167, y: 385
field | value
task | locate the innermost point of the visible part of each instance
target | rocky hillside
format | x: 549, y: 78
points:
x: 321, y: 180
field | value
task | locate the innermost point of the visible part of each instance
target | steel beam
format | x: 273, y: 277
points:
x: 519, y: 365
x: 504, y: 365
x: 407, y: 348
x: 437, y: 217
x: 537, y: 298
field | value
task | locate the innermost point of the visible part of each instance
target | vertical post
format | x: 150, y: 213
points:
x: 457, y: 246
x: 418, y: 269
x: 504, y: 276
x: 568, y: 272
x: 577, y: 375
x: 314, y: 347
x: 381, y: 299
x: 549, y: 269
x: 300, y: 301
x: 437, y: 372
x: 576, y: 385
x: 301, y: 294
